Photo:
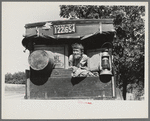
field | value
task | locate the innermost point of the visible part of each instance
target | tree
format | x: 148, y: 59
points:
x: 16, y: 78
x: 128, y: 45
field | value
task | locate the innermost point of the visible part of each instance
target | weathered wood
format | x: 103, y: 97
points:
x: 27, y: 88
x: 113, y: 87
x: 72, y: 88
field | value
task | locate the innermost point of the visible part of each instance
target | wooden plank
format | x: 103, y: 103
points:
x: 113, y: 87
x: 66, y: 57
x: 28, y: 89
x: 65, y: 87
x: 27, y: 86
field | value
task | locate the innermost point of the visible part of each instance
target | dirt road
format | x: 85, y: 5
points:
x: 14, y: 91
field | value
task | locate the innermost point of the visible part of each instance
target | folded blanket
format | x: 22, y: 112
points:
x: 83, y: 73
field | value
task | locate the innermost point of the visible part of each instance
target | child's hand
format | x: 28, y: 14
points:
x: 86, y: 68
x: 74, y: 68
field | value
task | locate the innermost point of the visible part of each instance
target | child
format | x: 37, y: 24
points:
x: 78, y: 61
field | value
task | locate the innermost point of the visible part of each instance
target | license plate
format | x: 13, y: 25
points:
x: 64, y: 29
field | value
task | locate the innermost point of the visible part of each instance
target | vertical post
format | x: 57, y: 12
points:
x: 46, y: 97
x: 100, y: 27
x: 27, y: 88
x: 124, y: 89
x: 113, y: 87
x: 114, y: 90
x: 66, y: 56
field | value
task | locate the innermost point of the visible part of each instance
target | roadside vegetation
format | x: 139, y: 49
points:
x: 16, y: 78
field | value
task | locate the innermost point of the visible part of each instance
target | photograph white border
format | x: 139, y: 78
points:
x: 79, y: 109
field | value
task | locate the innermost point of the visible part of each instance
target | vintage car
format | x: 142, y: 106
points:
x: 50, y: 43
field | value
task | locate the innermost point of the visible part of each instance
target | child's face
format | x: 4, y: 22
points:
x: 77, y: 53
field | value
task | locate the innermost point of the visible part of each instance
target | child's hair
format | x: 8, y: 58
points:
x: 78, y: 46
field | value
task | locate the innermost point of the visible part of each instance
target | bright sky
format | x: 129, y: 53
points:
x: 14, y: 16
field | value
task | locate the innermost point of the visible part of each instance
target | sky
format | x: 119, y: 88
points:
x: 14, y: 17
